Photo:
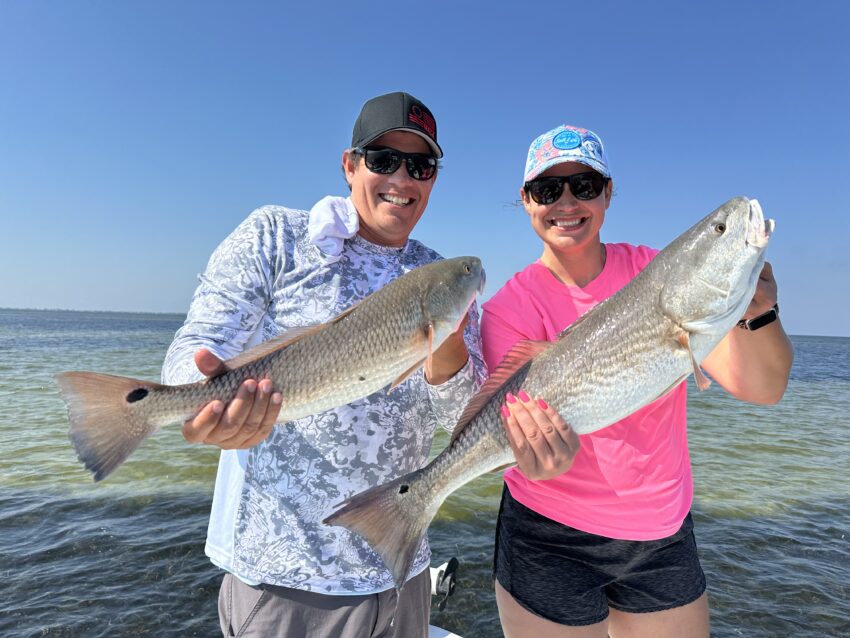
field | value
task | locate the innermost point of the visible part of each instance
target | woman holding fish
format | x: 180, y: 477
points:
x: 606, y: 547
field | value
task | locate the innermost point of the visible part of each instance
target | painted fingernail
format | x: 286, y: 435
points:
x: 543, y: 405
x: 523, y: 396
x: 505, y: 411
x: 510, y: 398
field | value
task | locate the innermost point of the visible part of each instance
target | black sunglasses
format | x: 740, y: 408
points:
x: 584, y: 186
x: 386, y: 161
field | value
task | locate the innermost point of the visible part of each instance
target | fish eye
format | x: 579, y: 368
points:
x: 467, y: 269
x: 720, y: 228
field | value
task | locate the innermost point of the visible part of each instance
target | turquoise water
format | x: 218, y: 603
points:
x: 125, y: 557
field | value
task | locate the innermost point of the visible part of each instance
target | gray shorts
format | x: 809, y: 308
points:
x: 267, y: 611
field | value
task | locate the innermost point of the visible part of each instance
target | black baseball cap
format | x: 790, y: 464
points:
x: 392, y: 112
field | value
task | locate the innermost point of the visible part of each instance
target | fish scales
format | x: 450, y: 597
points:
x: 378, y: 342
x: 626, y: 352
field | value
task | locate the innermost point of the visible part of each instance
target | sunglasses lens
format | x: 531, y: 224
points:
x: 586, y: 186
x: 387, y: 160
x: 421, y: 167
x: 546, y: 190
x: 383, y: 161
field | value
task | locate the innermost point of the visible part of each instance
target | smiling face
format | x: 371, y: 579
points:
x: 388, y: 205
x: 568, y: 225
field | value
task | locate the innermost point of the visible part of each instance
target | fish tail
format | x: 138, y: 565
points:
x: 106, y: 422
x: 392, y: 519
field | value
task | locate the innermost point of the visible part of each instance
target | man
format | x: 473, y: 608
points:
x: 287, y: 573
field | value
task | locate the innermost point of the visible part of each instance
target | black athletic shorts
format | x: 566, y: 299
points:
x: 572, y: 577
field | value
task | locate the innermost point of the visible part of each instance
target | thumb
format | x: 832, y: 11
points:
x: 209, y: 364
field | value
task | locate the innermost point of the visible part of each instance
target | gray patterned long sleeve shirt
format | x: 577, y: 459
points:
x: 269, y: 501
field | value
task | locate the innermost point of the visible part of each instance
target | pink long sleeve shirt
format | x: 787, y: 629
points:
x: 631, y: 480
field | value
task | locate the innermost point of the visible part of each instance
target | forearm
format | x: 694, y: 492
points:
x: 753, y: 366
x: 448, y: 359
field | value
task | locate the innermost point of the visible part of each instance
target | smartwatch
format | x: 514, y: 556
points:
x: 762, y: 320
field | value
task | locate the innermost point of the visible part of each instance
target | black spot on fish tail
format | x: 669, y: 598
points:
x: 403, y: 489
x: 137, y: 395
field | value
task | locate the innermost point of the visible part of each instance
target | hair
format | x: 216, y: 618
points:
x: 355, y: 159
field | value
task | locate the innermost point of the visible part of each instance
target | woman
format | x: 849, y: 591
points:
x: 606, y: 547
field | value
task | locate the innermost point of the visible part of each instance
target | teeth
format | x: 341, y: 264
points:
x: 399, y: 201
x: 567, y: 223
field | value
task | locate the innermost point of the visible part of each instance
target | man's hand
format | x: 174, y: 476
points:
x: 240, y: 424
x: 543, y: 444
x: 450, y: 357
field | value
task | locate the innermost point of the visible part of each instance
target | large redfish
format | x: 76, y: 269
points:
x: 378, y: 342
x: 628, y: 351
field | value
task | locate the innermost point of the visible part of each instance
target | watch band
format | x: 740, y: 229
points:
x: 762, y: 320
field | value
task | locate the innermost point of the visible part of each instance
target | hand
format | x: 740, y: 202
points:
x: 240, y: 424
x: 765, y: 295
x: 543, y: 444
x: 450, y: 357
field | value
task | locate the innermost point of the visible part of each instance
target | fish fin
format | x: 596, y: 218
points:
x: 391, y: 519
x: 282, y: 340
x: 104, y: 430
x: 429, y: 362
x: 265, y: 348
x: 703, y: 382
x: 517, y: 357
x: 404, y: 376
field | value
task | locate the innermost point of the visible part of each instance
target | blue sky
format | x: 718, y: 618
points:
x: 134, y: 136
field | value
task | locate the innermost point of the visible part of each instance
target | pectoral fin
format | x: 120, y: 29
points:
x: 703, y: 382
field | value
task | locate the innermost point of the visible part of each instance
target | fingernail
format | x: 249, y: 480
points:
x: 543, y: 405
x: 251, y: 387
x: 510, y: 398
x: 218, y: 407
x: 523, y: 396
x: 277, y: 399
x: 506, y: 412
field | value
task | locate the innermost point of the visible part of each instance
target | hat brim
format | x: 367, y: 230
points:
x: 435, y: 148
x: 561, y: 159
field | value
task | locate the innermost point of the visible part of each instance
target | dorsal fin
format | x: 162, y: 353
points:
x: 281, y: 341
x: 518, y: 356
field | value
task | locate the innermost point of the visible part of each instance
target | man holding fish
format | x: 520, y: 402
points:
x: 283, y: 270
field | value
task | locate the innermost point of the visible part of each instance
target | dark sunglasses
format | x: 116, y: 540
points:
x: 584, y: 186
x: 387, y: 160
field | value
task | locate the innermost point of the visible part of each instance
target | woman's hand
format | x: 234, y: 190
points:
x: 240, y: 424
x: 543, y: 444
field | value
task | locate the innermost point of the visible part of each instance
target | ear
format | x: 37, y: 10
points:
x: 609, y: 191
x: 348, y: 165
x: 526, y: 199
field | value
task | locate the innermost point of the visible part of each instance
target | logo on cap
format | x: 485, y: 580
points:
x: 566, y: 140
x: 423, y: 119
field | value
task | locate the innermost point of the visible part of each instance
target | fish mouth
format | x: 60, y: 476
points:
x: 759, y: 229
x: 481, y: 283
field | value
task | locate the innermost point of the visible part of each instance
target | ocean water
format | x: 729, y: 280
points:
x: 125, y: 557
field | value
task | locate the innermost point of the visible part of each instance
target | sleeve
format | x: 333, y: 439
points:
x: 450, y: 398
x: 230, y: 302
x: 498, y: 334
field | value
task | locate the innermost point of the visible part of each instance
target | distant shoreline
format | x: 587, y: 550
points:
x: 99, y: 312
x: 182, y: 315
